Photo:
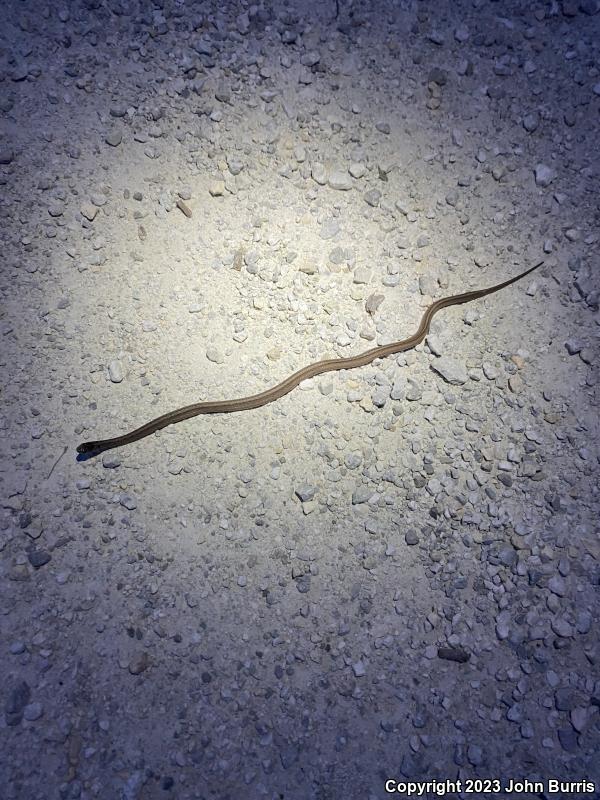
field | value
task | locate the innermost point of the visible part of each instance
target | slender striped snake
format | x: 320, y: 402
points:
x: 269, y: 395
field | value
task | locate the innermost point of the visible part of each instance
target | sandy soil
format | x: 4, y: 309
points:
x: 392, y: 573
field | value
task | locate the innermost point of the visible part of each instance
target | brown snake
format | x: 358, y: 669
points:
x: 269, y: 395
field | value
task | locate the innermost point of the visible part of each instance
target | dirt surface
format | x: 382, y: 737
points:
x: 390, y: 574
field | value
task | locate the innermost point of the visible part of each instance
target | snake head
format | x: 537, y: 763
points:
x: 87, y: 447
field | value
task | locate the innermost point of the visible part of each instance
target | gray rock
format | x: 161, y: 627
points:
x: 38, y: 558
x: 340, y: 180
x: 372, y: 197
x: 89, y: 211
x: 574, y: 346
x: 359, y: 669
x: 353, y: 460
x: 411, y: 537
x: 490, y: 371
x: 451, y: 370
x: 531, y: 122
x: 310, y: 59
x: 18, y: 697
x: 584, y: 622
x: 438, y: 75
x: 114, y: 138
x: 398, y: 389
x: 318, y: 173
x: 115, y: 371
x: 215, y: 355
x: 337, y: 255
x: 562, y: 628
x: 128, y: 502
x: 579, y: 718
x: 357, y: 170
x: 305, y: 493
x: 544, y: 175
x: 139, y: 663
x: 568, y: 739
x: 379, y: 396
x: 33, y: 711
x: 414, y: 392
x: 242, y: 23
x: 361, y: 495
x: 329, y: 229
x: 557, y: 585
x: 564, y: 699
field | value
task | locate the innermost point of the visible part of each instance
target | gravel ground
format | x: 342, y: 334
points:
x: 390, y: 574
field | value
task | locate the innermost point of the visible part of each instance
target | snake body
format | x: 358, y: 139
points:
x: 286, y: 386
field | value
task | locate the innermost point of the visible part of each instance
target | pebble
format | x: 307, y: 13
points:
x: 139, y: 663
x: 38, y: 558
x: 216, y: 188
x: 359, y: 669
x: 89, y: 211
x: 579, y: 719
x: 562, y: 628
x: 215, y: 355
x: 357, y: 169
x: 411, y: 537
x: 119, y: 110
x: 33, y: 712
x: 115, y: 371
x: 451, y: 370
x: 318, y: 174
x: 530, y: 123
x: 128, y: 502
x: 544, y: 175
x: 17, y: 699
x: 340, y: 181
x: 372, y: 197
x: 114, y: 138
x: 568, y: 739
x: 305, y: 493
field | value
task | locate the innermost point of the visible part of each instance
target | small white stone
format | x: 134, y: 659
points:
x: 216, y: 188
